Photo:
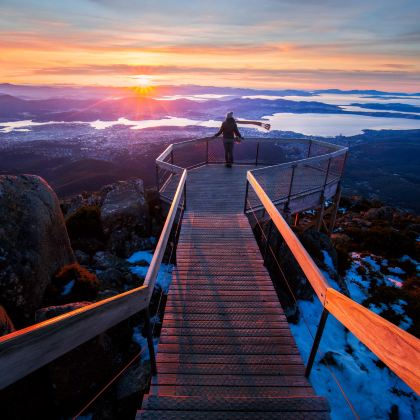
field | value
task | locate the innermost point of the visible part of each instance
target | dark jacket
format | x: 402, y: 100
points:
x: 229, y: 129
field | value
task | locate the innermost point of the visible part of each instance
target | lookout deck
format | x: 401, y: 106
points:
x: 226, y: 350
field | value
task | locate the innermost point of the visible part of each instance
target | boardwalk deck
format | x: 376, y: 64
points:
x: 226, y: 350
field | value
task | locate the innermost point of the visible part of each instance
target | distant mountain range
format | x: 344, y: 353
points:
x: 91, y: 92
x: 110, y: 108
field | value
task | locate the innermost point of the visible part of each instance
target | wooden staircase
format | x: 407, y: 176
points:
x: 226, y: 350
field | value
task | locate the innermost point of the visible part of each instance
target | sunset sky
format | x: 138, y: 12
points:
x: 306, y: 44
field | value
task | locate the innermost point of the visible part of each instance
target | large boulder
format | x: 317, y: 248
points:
x: 33, y: 243
x: 382, y: 213
x: 124, y: 204
x: 125, y: 217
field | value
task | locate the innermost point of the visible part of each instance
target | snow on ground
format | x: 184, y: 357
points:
x: 68, y: 288
x: 163, y: 281
x: 142, y: 342
x: 164, y: 277
x: 371, y: 389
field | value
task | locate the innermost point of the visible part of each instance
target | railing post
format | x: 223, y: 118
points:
x: 256, y: 156
x: 150, y: 341
x: 322, y: 199
x: 246, y: 195
x: 185, y: 196
x: 317, y: 340
x: 207, y: 152
x: 267, y: 243
x: 335, y: 206
x: 286, y: 208
x: 309, y: 148
x: 326, y: 175
x: 157, y: 178
x: 172, y: 157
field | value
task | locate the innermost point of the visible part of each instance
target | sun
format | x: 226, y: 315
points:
x: 143, y: 85
x: 143, y: 81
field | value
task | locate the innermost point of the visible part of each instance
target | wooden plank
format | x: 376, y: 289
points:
x: 226, y: 415
x: 228, y: 359
x: 211, y: 340
x: 232, y: 306
x: 223, y: 316
x: 231, y: 369
x: 199, y: 297
x: 399, y: 350
x: 243, y: 332
x: 262, y: 404
x: 232, y: 391
x: 228, y: 349
x: 229, y: 380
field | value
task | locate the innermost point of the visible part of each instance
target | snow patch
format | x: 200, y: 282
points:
x: 371, y: 388
x: 68, y: 288
x: 164, y: 276
x: 138, y: 338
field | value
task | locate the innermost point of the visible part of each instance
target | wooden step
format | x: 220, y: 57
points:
x: 219, y: 341
x: 233, y: 391
x: 245, y: 349
x: 206, y: 403
x: 219, y: 309
x: 222, y: 317
x: 244, y: 359
x: 229, y: 380
x: 243, y: 332
x: 226, y: 415
x: 231, y: 369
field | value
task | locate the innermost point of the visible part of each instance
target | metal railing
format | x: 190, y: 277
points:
x: 272, y: 157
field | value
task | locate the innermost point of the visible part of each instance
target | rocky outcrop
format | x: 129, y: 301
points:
x: 125, y: 216
x: 124, y: 204
x: 33, y: 243
x: 381, y: 213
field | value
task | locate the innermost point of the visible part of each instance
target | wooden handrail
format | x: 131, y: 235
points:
x: 153, y: 270
x: 399, y: 350
x: 28, y: 349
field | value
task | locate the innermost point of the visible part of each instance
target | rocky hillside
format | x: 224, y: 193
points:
x: 373, y: 257
x: 56, y: 257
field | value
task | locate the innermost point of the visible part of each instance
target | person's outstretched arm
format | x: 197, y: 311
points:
x: 259, y: 123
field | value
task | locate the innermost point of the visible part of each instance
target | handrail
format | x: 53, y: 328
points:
x: 312, y: 272
x: 302, y: 162
x: 399, y: 350
x: 153, y: 270
x: 28, y: 349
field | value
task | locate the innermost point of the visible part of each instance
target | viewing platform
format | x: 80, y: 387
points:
x: 225, y: 350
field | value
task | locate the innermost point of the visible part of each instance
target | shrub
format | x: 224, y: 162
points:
x: 85, y: 285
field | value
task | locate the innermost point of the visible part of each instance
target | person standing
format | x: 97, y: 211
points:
x: 230, y: 132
